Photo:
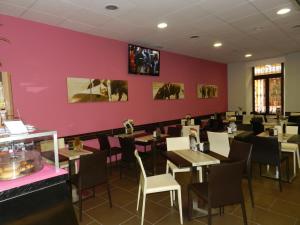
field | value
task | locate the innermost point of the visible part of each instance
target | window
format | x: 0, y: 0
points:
x: 268, y: 88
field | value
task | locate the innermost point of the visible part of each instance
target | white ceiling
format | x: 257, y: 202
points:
x: 243, y: 26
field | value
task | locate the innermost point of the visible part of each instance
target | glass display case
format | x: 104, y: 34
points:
x: 20, y: 155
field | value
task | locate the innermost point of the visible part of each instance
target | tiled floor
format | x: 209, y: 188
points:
x: 272, y: 207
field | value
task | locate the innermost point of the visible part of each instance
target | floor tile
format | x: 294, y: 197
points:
x: 286, y: 208
x: 109, y: 216
x: 120, y: 197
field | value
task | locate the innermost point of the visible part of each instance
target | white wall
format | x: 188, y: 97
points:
x: 292, y: 83
x: 240, y: 82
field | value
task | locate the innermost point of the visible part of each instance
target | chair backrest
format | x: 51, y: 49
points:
x: 174, y: 131
x: 224, y: 183
x: 279, y: 129
x: 247, y: 119
x: 292, y: 129
x: 178, y: 143
x: 219, y: 142
x: 143, y: 176
x: 266, y: 150
x: 257, y: 126
x: 103, y: 142
x: 186, y: 130
x: 150, y: 128
x: 128, y: 146
x: 230, y: 114
x: 241, y: 151
x: 48, y: 145
x: 92, y: 170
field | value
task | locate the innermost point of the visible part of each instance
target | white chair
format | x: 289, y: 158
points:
x: 179, y: 143
x: 174, y: 144
x: 219, y: 143
x: 291, y: 147
x: 247, y: 119
x: 186, y: 130
x: 155, y: 184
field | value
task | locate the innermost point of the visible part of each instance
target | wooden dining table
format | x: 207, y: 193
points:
x: 194, y: 159
x: 149, y: 139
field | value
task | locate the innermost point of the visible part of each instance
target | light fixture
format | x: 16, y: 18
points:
x: 217, y: 44
x: 162, y: 25
x: 111, y: 7
x: 283, y: 11
x: 248, y: 55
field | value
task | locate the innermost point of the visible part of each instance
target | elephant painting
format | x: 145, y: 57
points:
x: 207, y: 91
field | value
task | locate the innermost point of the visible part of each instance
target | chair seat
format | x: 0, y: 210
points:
x: 289, y: 147
x: 160, y: 183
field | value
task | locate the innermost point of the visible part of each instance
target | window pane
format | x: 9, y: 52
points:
x: 274, y: 94
x: 260, y: 95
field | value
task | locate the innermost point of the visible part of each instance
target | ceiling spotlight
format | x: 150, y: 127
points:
x: 162, y: 25
x: 248, y: 55
x: 217, y: 44
x: 111, y: 7
x: 283, y: 11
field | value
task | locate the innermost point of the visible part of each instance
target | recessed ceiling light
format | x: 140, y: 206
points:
x: 248, y: 55
x: 162, y: 25
x: 283, y: 11
x: 111, y: 7
x: 194, y: 36
x: 217, y: 44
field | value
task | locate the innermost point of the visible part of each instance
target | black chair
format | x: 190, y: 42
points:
x: 222, y: 188
x: 257, y: 126
x: 242, y: 151
x: 128, y: 157
x: 92, y: 172
x: 174, y: 131
x: 266, y: 151
x: 112, y: 151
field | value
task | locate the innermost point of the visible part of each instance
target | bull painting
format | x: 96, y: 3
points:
x: 93, y: 90
x: 162, y: 91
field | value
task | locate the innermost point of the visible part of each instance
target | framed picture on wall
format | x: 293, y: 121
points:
x: 96, y: 90
x: 163, y: 91
x: 207, y: 91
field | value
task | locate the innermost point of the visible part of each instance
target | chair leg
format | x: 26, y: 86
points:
x: 279, y: 178
x: 109, y: 195
x: 250, y: 189
x: 259, y: 169
x: 294, y: 162
x: 171, y: 198
x: 80, y: 205
x: 143, y: 208
x: 179, y: 204
x: 190, y: 204
x: 287, y: 164
x: 244, y: 212
x: 138, y: 199
x: 209, y: 214
x: 298, y: 157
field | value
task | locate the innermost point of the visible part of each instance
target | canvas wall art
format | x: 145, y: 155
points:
x: 207, y: 91
x: 96, y: 90
x: 162, y: 91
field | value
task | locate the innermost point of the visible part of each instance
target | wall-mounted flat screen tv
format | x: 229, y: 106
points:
x: 143, y: 61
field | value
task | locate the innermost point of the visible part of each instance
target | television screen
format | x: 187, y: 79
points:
x: 143, y: 61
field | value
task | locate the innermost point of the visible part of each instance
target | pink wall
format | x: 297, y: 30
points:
x: 41, y: 57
